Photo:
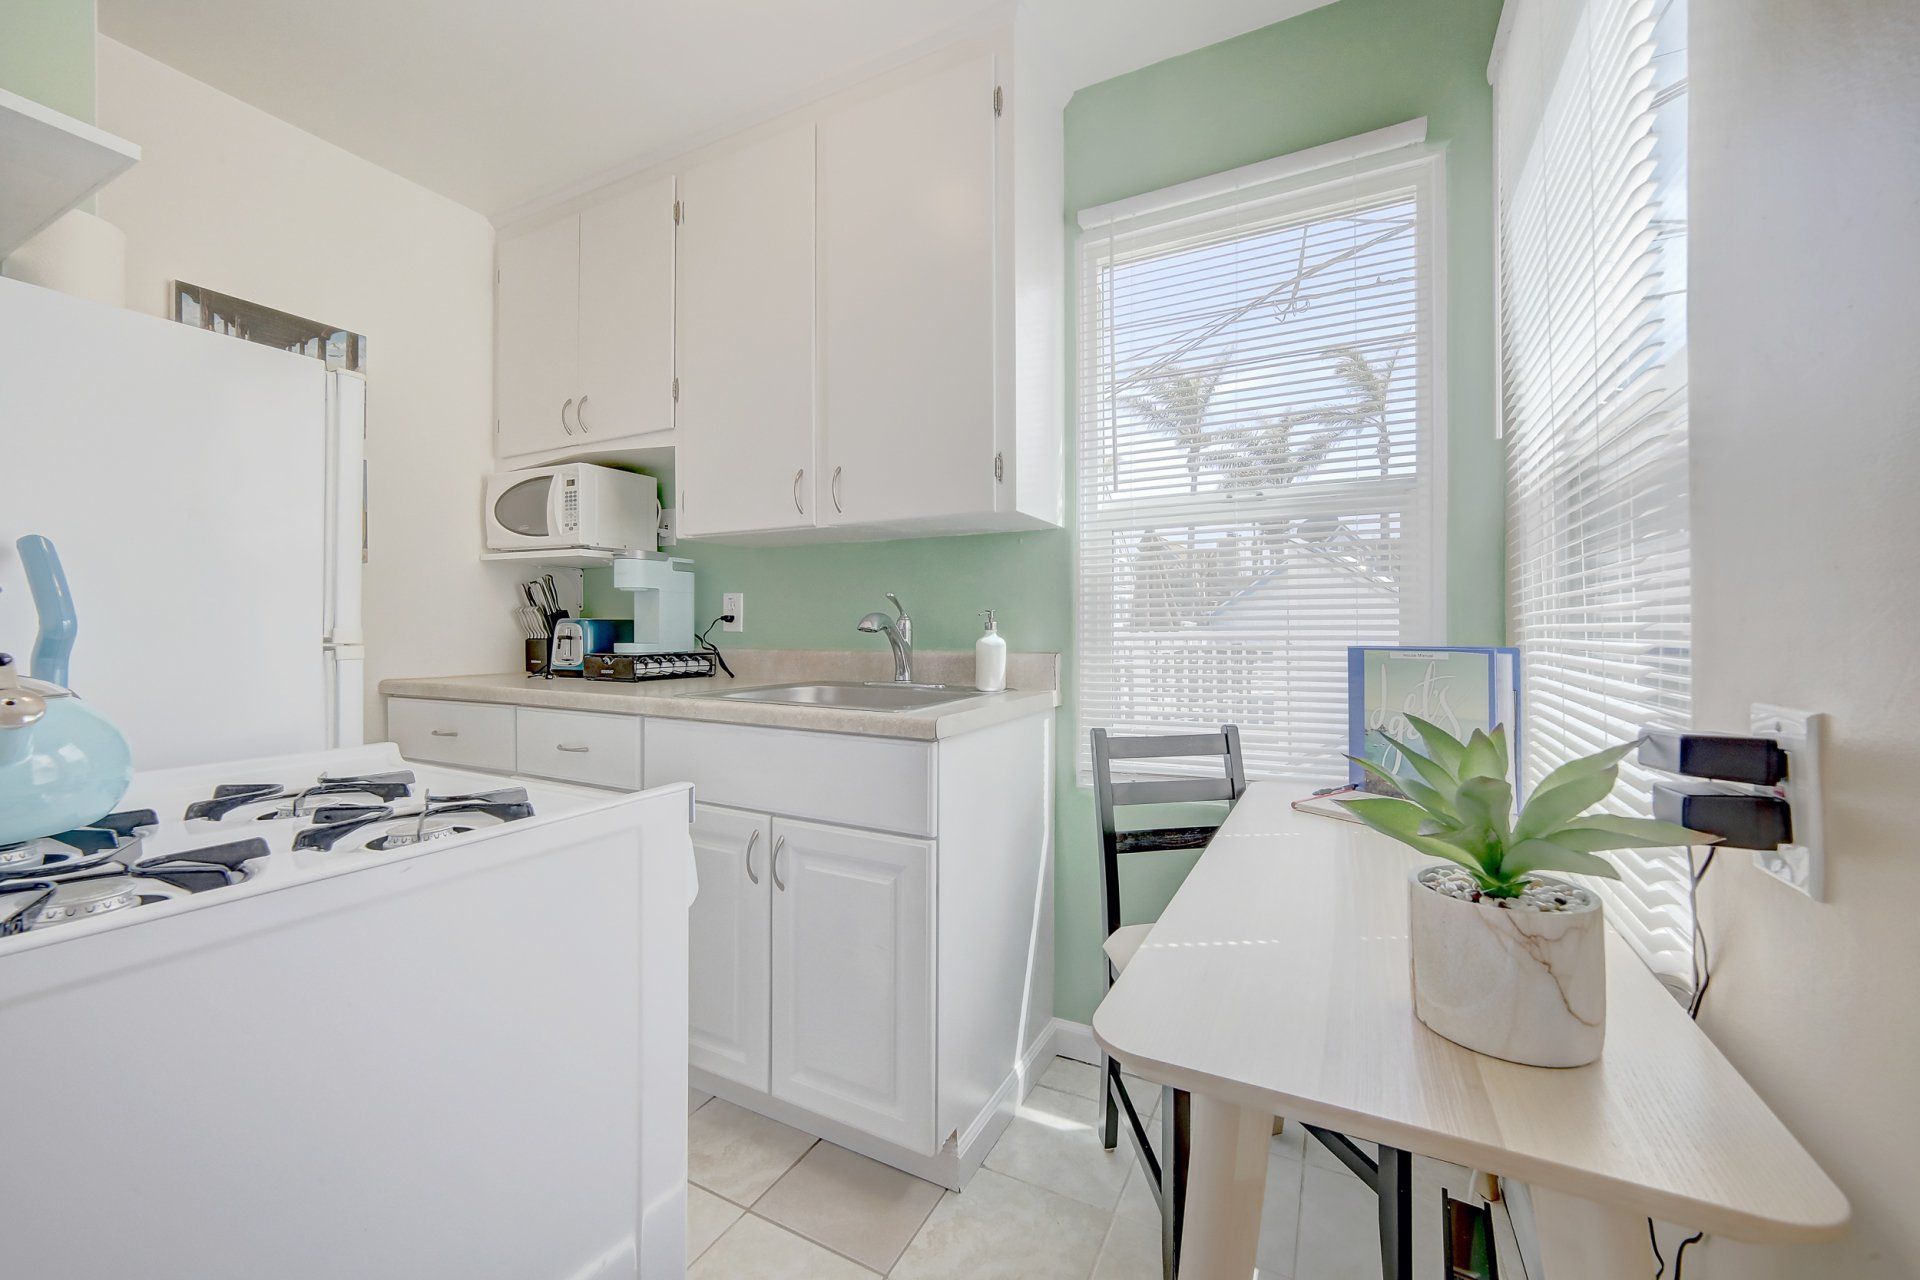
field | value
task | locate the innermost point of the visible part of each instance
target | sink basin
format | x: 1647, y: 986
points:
x: 878, y: 696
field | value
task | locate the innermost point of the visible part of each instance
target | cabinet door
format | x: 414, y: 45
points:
x: 626, y: 315
x: 853, y: 978
x: 744, y: 440
x: 727, y: 999
x: 907, y: 278
x: 536, y: 338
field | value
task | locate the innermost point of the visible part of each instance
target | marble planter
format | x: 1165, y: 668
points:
x: 1525, y: 985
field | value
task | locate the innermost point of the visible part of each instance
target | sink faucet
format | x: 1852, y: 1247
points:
x: 899, y: 634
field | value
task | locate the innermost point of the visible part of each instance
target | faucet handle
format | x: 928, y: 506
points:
x: 896, y: 604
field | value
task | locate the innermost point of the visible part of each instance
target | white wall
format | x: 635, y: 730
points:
x: 231, y: 198
x: 1805, y: 236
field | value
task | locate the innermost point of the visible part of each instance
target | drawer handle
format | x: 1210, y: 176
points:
x: 752, y: 840
x: 446, y: 733
x: 578, y: 747
x: 778, y: 883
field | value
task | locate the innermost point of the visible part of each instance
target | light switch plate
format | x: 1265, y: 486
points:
x: 735, y: 603
x: 1802, y: 864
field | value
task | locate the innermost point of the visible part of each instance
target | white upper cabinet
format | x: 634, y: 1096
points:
x: 907, y: 301
x: 626, y: 315
x: 584, y: 339
x: 861, y: 308
x: 537, y: 338
x: 745, y: 443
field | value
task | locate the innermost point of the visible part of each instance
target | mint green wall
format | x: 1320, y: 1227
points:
x: 46, y: 53
x: 1350, y: 67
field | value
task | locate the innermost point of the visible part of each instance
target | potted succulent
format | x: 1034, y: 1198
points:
x: 1507, y: 960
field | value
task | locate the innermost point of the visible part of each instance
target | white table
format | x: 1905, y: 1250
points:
x: 1276, y: 983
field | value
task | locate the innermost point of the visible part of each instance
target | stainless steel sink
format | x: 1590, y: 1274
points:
x: 876, y: 696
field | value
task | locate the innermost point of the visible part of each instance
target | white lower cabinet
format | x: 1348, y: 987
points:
x: 853, y: 978
x: 731, y: 940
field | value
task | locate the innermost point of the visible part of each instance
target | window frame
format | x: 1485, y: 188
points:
x: 1398, y: 156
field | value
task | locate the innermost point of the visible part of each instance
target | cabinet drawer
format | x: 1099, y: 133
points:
x: 476, y: 735
x: 862, y: 782
x: 579, y: 746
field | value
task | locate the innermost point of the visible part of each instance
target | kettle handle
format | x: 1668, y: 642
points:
x: 59, y: 624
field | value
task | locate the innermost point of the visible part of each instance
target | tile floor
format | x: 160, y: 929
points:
x: 771, y: 1203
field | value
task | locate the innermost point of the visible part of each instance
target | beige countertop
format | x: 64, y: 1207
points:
x: 1033, y: 680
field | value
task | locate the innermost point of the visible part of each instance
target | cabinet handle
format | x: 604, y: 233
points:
x: 796, y: 491
x: 563, y: 416
x: 752, y: 840
x: 579, y: 748
x: 778, y: 883
x: 580, y: 415
x: 836, y: 490
x: 445, y: 733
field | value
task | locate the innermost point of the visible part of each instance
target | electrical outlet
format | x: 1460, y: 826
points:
x: 1802, y: 864
x: 735, y: 603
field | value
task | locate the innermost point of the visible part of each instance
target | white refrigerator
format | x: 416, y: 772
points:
x: 205, y: 495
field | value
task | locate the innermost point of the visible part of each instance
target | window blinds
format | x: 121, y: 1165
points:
x: 1590, y: 138
x: 1257, y: 434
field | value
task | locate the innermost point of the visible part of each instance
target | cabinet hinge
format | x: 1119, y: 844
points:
x: 677, y: 214
x: 676, y: 391
x: 999, y: 100
x: 999, y: 466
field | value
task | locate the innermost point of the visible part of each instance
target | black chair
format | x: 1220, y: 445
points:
x: 1167, y: 1169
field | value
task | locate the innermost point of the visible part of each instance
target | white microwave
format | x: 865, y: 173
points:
x: 577, y: 506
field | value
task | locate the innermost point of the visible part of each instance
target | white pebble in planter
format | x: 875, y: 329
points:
x: 1525, y: 981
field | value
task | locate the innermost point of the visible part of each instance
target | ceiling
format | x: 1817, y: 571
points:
x: 501, y: 103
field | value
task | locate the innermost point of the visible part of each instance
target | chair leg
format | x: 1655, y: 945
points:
x: 1176, y: 1146
x: 1109, y: 1109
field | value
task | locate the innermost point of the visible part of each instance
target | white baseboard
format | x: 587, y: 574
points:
x: 1073, y: 1040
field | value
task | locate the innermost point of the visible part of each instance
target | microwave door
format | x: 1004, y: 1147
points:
x: 525, y: 511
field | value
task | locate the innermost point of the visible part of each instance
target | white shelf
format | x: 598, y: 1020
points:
x: 49, y: 163
x: 559, y: 559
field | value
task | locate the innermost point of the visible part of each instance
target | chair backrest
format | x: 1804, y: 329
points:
x: 1109, y: 795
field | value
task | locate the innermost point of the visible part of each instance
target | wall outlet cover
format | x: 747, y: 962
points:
x: 1803, y: 864
x: 735, y: 603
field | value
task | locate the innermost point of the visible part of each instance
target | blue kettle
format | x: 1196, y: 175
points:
x: 62, y: 764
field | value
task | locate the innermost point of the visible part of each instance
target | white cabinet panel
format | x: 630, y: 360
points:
x: 908, y: 300
x: 472, y: 734
x: 537, y: 338
x: 579, y: 746
x: 626, y: 315
x: 729, y: 927
x: 835, y: 777
x: 745, y: 307
x: 852, y: 979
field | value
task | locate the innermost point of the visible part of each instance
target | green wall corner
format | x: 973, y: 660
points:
x: 46, y: 53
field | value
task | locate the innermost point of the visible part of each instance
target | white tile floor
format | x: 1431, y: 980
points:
x: 771, y: 1203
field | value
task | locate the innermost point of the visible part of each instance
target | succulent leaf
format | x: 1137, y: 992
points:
x: 1482, y: 758
x: 1486, y: 802
x: 1586, y: 765
x: 1627, y: 833
x: 1419, y: 792
x: 1545, y: 855
x: 1442, y: 747
x: 1549, y: 808
x: 1401, y: 820
x: 1437, y: 776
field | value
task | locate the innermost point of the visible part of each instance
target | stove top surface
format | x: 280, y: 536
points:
x: 208, y: 832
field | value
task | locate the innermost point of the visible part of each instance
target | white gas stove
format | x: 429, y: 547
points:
x: 351, y: 1015
x: 193, y: 837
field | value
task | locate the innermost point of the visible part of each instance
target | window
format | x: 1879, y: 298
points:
x: 1258, y: 443
x: 1590, y: 134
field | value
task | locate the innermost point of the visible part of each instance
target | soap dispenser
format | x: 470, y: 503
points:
x: 990, y: 659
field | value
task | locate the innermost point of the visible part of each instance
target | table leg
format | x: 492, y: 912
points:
x: 1226, y: 1182
x: 1395, y: 1188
